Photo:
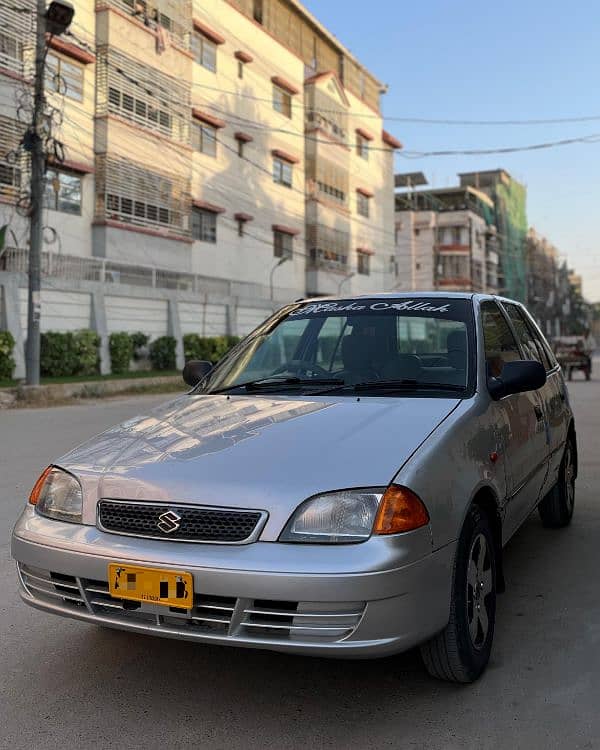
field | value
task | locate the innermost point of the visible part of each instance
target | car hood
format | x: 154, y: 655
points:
x: 263, y: 452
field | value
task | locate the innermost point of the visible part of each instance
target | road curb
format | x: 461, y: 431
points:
x: 65, y: 393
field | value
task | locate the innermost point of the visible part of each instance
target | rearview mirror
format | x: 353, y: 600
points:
x: 517, y: 377
x: 195, y: 370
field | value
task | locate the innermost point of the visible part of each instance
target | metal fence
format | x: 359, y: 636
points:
x: 74, y: 268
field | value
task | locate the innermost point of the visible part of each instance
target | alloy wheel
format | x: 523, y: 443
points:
x: 479, y: 587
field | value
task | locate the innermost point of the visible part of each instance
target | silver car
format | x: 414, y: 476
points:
x: 341, y: 484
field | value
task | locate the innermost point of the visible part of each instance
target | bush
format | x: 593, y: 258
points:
x: 57, y: 354
x: 86, y: 345
x: 211, y: 349
x: 139, y: 341
x: 7, y: 363
x: 120, y: 346
x: 162, y: 353
x: 71, y: 353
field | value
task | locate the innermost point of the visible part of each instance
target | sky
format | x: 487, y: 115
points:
x: 512, y: 60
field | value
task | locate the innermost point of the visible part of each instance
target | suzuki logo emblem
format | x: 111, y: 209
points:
x: 169, y: 522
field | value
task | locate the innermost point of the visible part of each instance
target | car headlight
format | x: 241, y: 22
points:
x: 57, y: 494
x: 350, y: 516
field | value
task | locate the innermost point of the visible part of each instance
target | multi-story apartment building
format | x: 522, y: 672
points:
x: 446, y: 240
x: 227, y: 152
x: 510, y: 217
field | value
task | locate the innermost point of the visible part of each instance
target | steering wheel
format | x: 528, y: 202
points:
x: 301, y: 368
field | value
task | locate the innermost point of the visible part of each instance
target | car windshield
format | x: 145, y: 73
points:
x: 418, y: 346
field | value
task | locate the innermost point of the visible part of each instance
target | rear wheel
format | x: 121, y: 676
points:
x: 460, y: 653
x: 556, y: 509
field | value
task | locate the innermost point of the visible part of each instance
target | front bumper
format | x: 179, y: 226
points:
x: 372, y: 599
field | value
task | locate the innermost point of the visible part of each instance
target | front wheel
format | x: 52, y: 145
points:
x: 460, y: 653
x: 556, y: 509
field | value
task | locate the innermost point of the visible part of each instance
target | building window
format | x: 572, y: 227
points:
x: 204, y: 138
x: 134, y: 108
x: 362, y: 147
x: 364, y: 264
x: 363, y: 204
x: 64, y: 77
x: 282, y: 101
x: 204, y: 225
x: 11, y: 51
x: 10, y: 178
x: 283, y: 244
x: 257, y: 11
x: 282, y: 172
x: 62, y: 192
x: 205, y: 51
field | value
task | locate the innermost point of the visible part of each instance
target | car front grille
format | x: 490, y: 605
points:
x: 231, y: 617
x: 183, y: 523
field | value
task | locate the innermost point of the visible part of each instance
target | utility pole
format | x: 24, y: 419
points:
x: 55, y: 21
x: 38, y: 171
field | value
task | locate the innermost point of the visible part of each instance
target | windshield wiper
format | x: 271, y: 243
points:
x: 394, y: 385
x: 275, y: 382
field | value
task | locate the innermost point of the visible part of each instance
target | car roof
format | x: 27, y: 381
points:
x: 410, y: 295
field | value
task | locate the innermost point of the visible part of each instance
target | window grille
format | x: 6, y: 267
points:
x: 173, y: 15
x: 14, y: 163
x: 17, y: 37
x: 126, y: 191
x: 142, y: 95
x: 327, y: 248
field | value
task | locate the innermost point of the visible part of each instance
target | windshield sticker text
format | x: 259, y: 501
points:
x: 409, y: 305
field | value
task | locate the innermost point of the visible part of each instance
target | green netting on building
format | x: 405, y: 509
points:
x: 511, y: 221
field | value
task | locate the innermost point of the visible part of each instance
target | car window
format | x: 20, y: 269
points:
x: 499, y: 343
x: 549, y: 359
x: 422, y: 341
x: 524, y: 334
x: 272, y: 352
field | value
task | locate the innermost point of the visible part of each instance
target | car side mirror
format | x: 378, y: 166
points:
x: 195, y: 370
x: 517, y: 377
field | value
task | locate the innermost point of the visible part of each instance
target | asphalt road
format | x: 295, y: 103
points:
x: 67, y: 685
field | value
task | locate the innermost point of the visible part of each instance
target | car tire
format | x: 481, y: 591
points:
x: 460, y: 653
x: 556, y: 509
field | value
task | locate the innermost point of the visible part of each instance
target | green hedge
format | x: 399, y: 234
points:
x: 162, y: 353
x: 211, y: 349
x: 139, y: 340
x: 120, y: 346
x: 71, y: 353
x: 7, y: 363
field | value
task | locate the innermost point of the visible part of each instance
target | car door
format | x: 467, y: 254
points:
x: 520, y: 422
x: 548, y: 393
x: 558, y: 410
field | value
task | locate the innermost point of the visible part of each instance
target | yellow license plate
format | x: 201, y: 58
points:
x: 171, y: 588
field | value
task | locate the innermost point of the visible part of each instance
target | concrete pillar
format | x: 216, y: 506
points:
x: 12, y: 320
x: 174, y: 329
x: 231, y: 317
x: 99, y: 325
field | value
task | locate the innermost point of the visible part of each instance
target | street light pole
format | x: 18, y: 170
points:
x: 55, y: 21
x: 344, y: 280
x: 275, y: 267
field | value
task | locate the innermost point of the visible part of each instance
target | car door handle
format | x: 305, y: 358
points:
x: 539, y: 414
